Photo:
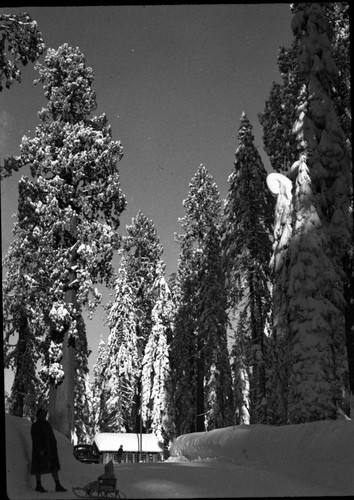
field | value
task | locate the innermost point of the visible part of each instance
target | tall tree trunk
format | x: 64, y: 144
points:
x: 62, y: 396
x: 349, y: 316
x: 18, y: 387
x: 200, y: 388
x: 262, y: 394
x: 258, y: 392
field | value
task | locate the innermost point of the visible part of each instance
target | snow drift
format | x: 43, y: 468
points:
x: 320, y: 452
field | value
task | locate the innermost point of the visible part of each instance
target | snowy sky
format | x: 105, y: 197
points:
x: 173, y: 81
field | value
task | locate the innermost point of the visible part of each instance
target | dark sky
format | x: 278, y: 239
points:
x: 173, y: 81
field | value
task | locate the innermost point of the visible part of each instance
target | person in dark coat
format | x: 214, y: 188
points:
x: 120, y: 453
x: 45, y: 458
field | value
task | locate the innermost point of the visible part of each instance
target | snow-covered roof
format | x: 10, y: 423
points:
x: 111, y: 441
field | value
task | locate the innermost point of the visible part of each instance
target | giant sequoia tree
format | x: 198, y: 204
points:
x: 313, y: 245
x: 76, y: 200
x: 320, y: 133
x: 309, y: 377
x: 310, y: 113
x: 317, y: 382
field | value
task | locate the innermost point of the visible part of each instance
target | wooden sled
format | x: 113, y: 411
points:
x: 105, y: 488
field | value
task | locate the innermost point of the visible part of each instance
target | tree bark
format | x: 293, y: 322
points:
x: 62, y: 396
x: 200, y: 388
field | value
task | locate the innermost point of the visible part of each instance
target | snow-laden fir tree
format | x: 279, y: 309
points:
x: 130, y: 320
x: 190, y: 340
x: 143, y: 252
x: 122, y: 367
x: 77, y: 200
x: 248, y: 215
x: 99, y: 391
x: 156, y: 382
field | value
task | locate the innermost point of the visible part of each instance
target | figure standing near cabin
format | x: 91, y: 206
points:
x: 120, y: 453
x: 44, y: 451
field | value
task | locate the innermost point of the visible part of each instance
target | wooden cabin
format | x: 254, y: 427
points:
x: 108, y: 443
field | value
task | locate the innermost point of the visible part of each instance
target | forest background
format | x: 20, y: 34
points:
x: 168, y: 364
x: 173, y: 81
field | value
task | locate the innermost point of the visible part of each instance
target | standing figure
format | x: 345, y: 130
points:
x: 44, y: 451
x: 120, y: 453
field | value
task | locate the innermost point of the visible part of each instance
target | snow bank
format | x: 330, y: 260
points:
x: 317, y: 452
x: 314, y: 459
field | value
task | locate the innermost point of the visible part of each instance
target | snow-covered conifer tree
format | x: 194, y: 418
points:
x: 122, y: 369
x: 129, y: 316
x: 248, y: 216
x: 143, y: 252
x: 24, y: 293
x: 99, y: 391
x: 310, y: 113
x: 318, y: 376
x: 319, y: 132
x: 311, y: 367
x: 21, y: 43
x: 212, y: 337
x: 203, y: 212
x: 279, y: 115
x: 77, y: 200
x: 183, y: 345
x: 156, y: 384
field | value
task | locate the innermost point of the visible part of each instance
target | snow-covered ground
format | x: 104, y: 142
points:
x: 315, y: 459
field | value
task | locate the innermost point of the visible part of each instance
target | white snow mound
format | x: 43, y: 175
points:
x: 318, y: 452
